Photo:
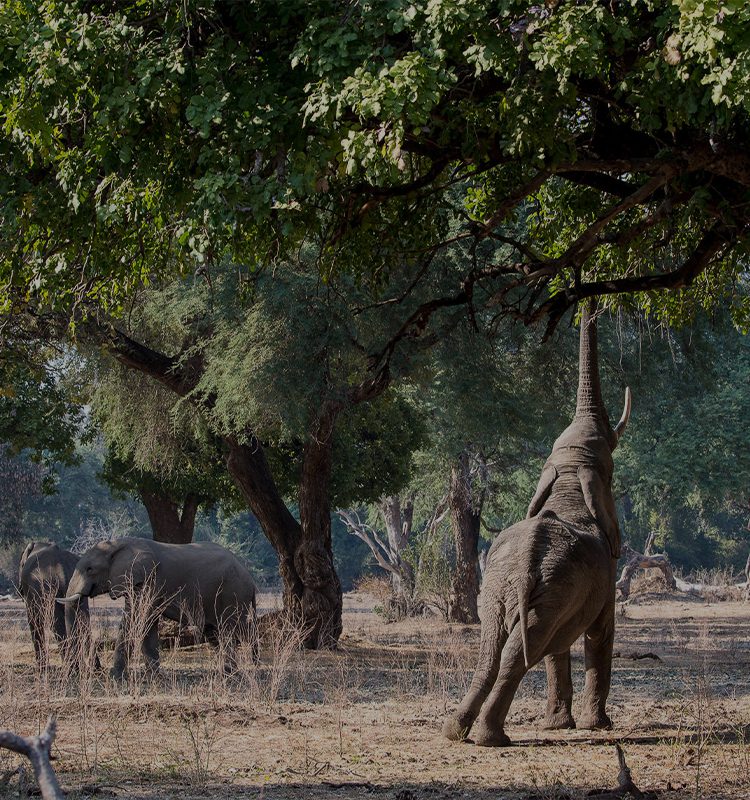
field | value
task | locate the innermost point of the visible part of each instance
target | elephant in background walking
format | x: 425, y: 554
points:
x: 199, y: 584
x: 43, y: 574
x: 551, y: 577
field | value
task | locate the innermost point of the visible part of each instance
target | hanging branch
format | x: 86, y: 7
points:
x: 37, y: 749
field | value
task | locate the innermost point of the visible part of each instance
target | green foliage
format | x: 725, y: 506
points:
x: 272, y: 353
x: 209, y: 129
x: 683, y: 467
x: 38, y: 415
x: 156, y: 444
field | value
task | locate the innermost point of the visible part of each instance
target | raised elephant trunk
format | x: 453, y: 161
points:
x: 589, y: 401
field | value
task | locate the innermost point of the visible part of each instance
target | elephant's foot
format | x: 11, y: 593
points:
x: 118, y: 675
x: 456, y: 728
x: 595, y: 721
x: 484, y: 736
x: 558, y: 718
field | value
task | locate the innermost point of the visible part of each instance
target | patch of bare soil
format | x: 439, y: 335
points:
x: 364, y: 722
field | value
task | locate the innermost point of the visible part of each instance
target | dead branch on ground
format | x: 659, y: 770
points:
x: 644, y: 560
x: 625, y: 786
x: 37, y: 749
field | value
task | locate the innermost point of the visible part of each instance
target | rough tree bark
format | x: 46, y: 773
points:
x: 170, y: 523
x: 398, y: 519
x: 466, y: 514
x: 312, y: 591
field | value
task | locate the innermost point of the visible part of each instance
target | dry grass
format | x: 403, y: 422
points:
x: 301, y: 725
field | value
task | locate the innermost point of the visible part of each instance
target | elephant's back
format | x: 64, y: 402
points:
x: 46, y: 565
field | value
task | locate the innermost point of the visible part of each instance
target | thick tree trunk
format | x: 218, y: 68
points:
x: 312, y: 591
x: 322, y: 600
x: 169, y: 524
x: 466, y: 514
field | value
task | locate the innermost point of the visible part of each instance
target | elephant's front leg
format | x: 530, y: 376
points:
x: 150, y: 650
x: 120, y: 665
x: 559, y: 692
x: 37, y: 636
x: 598, y: 642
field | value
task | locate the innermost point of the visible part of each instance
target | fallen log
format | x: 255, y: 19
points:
x: 648, y: 560
x: 638, y: 561
x: 37, y: 749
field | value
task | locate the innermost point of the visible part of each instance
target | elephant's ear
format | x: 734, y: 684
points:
x: 26, y: 553
x: 130, y: 567
x: 543, y: 490
x: 599, y: 503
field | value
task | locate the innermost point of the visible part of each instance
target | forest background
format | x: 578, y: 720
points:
x: 294, y: 246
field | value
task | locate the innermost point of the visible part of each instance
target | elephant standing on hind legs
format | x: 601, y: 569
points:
x: 551, y: 577
x: 195, y: 583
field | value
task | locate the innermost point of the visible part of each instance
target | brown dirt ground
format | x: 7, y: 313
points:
x: 364, y: 722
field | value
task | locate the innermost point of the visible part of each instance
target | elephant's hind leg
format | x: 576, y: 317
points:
x: 598, y: 651
x: 489, y: 727
x: 559, y: 692
x: 493, y: 637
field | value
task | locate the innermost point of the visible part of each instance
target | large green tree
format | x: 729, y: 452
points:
x: 179, y: 130
x: 573, y: 150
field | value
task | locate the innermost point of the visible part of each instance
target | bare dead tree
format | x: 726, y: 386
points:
x: 389, y: 551
x: 37, y: 749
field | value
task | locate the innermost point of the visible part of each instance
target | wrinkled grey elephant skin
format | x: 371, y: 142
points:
x: 551, y: 578
x: 196, y: 584
x: 44, y: 573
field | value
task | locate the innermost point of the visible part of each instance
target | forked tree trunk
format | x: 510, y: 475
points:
x: 466, y: 514
x: 312, y: 590
x: 170, y: 523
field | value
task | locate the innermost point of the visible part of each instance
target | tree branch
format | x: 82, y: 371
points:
x: 37, y: 749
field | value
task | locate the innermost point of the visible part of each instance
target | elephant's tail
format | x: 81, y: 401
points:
x: 524, y: 590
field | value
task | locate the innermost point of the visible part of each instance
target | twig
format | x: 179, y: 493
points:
x: 37, y: 750
x: 625, y: 785
x: 635, y: 656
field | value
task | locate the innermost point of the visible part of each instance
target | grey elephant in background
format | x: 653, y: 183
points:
x: 551, y: 577
x: 44, y: 573
x: 201, y: 583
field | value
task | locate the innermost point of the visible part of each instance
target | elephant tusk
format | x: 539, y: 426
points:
x: 620, y: 427
x: 66, y: 601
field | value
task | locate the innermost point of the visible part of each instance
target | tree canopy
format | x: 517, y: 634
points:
x: 603, y: 144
